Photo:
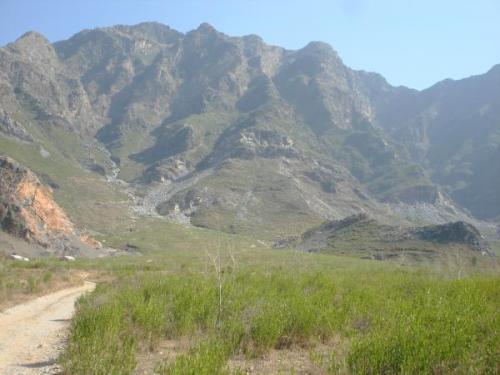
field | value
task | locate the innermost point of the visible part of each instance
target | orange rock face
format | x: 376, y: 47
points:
x: 39, y: 210
x: 28, y: 209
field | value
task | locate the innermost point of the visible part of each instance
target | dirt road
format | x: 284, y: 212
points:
x: 33, y: 334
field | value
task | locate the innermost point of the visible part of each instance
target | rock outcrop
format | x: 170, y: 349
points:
x: 364, y: 235
x: 13, y: 128
x: 28, y: 211
x: 458, y: 232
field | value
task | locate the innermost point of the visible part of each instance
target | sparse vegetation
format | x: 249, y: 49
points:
x: 21, y: 280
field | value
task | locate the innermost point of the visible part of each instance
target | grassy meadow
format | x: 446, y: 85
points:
x: 201, y: 302
x: 365, y: 317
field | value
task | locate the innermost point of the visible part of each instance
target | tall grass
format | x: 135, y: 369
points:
x: 103, y: 341
x: 393, y: 321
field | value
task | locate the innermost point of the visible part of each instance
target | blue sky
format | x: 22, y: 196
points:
x: 411, y: 42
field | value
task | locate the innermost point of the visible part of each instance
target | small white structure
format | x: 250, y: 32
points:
x: 68, y: 258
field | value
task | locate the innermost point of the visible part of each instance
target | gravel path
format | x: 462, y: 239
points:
x: 33, y: 334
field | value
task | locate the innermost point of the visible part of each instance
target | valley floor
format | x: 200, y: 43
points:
x: 256, y: 311
x: 196, y: 301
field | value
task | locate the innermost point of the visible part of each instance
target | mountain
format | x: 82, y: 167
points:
x: 234, y: 134
x: 453, y: 130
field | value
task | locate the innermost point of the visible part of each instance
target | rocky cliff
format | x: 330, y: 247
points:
x: 28, y: 211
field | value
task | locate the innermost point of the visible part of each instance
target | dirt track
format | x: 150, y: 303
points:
x: 33, y: 334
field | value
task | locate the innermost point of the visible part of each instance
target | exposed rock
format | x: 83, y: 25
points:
x: 13, y: 128
x: 458, y: 232
x: 362, y: 234
x: 264, y: 143
x: 186, y: 203
x: 28, y: 211
x: 167, y: 170
x: 44, y: 153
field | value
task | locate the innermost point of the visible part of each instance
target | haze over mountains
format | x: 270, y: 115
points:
x: 233, y: 134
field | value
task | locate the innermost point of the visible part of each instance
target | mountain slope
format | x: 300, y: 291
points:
x: 232, y: 133
x: 453, y: 130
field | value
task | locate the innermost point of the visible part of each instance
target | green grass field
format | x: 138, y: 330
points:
x: 223, y: 301
x: 227, y: 303
x: 389, y: 320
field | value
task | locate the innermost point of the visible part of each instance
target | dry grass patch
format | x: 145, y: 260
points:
x: 19, y: 282
x: 149, y: 357
x: 297, y: 361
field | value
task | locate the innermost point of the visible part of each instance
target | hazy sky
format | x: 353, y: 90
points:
x: 411, y: 42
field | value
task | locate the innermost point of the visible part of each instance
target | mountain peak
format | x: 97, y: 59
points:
x: 319, y: 47
x: 206, y: 27
x: 32, y: 37
x: 253, y: 38
x: 34, y: 47
x: 152, y: 28
x: 148, y: 24
x: 320, y: 50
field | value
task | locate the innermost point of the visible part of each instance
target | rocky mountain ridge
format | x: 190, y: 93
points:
x: 234, y: 134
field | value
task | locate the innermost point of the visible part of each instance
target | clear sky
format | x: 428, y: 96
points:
x: 411, y: 42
